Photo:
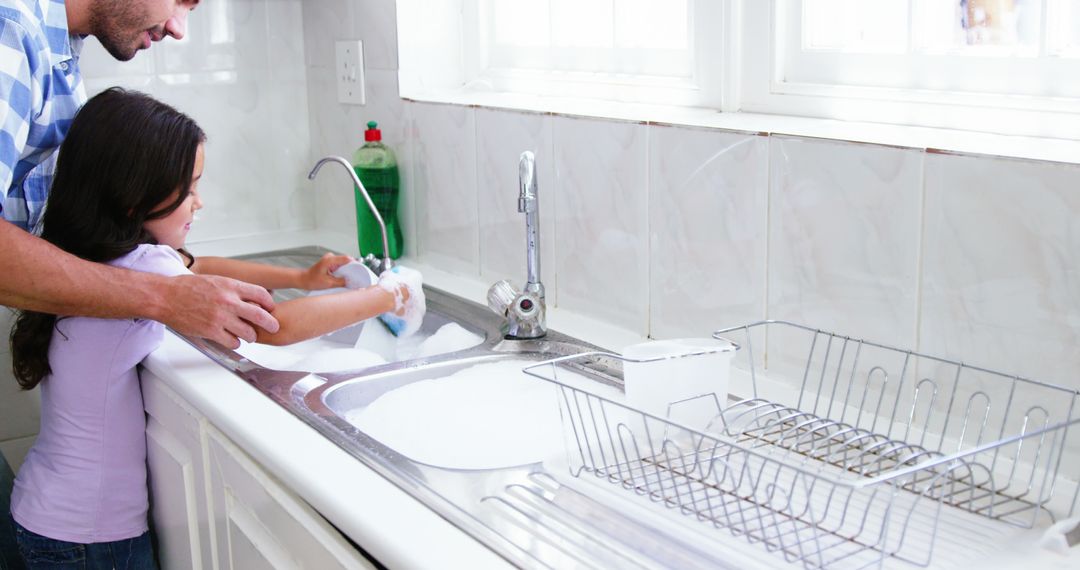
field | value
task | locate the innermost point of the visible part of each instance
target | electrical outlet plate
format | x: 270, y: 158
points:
x: 349, y: 71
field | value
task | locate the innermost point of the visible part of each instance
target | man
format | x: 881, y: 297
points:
x: 40, y: 91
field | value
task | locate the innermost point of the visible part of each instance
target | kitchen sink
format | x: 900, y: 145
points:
x: 523, y: 506
x: 554, y: 472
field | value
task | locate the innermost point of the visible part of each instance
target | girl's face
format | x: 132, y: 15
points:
x: 172, y: 230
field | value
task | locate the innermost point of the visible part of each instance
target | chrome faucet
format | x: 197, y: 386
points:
x: 375, y: 264
x: 524, y: 311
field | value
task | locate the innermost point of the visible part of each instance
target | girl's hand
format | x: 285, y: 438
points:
x: 403, y: 291
x: 397, y: 293
x: 319, y: 276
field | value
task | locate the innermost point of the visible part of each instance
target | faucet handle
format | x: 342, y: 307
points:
x: 377, y: 265
x: 500, y: 296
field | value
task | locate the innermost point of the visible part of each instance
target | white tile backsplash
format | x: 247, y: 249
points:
x: 601, y: 219
x: 326, y: 21
x: 844, y: 237
x: 443, y: 151
x: 376, y: 24
x: 254, y: 154
x: 1001, y: 284
x: 708, y: 193
x: 223, y: 37
x: 240, y: 73
x: 333, y: 188
x: 286, y: 46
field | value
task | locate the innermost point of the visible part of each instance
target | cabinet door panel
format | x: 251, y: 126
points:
x: 177, y: 479
x: 260, y: 522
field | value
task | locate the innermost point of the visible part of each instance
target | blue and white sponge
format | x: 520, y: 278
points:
x: 412, y: 310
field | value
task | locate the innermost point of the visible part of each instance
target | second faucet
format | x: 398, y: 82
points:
x: 524, y: 311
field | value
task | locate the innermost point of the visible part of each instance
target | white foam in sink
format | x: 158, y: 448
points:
x: 374, y: 346
x: 487, y: 416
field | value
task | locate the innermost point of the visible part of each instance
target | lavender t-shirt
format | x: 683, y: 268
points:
x: 84, y: 479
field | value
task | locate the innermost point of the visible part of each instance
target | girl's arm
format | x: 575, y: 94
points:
x: 317, y: 276
x: 309, y: 317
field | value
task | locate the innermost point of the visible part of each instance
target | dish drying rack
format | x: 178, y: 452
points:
x: 851, y: 466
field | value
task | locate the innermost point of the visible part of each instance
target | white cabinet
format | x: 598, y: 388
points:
x: 178, y: 478
x: 213, y: 507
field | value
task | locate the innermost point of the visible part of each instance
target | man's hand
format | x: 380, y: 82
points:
x: 218, y: 308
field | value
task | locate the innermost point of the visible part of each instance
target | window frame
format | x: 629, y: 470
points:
x: 767, y: 90
x: 701, y: 85
x: 744, y: 73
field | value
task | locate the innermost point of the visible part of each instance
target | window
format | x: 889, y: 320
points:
x: 622, y: 50
x: 1009, y: 66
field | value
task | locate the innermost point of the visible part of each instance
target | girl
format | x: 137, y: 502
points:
x: 125, y: 193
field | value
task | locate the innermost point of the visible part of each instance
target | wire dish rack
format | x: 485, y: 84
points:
x: 846, y: 454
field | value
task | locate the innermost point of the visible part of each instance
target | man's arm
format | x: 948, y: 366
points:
x: 41, y: 277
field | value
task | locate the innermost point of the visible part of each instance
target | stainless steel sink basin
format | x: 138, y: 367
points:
x: 529, y: 514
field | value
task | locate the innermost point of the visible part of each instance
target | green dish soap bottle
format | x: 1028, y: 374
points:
x: 377, y: 168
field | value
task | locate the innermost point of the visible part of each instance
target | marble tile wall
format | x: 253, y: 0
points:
x: 844, y: 236
x: 708, y: 194
x: 240, y: 72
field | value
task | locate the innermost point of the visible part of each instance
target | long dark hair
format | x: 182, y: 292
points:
x: 124, y: 155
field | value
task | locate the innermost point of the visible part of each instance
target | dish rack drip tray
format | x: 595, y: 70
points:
x: 847, y: 454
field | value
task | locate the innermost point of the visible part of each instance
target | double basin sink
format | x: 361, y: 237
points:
x: 528, y: 513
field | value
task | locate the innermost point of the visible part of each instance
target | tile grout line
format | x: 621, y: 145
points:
x: 768, y: 225
x: 920, y: 242
x: 476, y: 191
x: 648, y: 232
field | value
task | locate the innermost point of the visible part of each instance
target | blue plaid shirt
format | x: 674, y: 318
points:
x: 40, y: 91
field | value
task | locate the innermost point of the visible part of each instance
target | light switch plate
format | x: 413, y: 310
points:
x: 349, y: 71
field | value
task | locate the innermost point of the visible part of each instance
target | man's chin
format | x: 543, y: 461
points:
x: 120, y: 53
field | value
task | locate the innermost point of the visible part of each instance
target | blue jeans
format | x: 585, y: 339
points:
x: 40, y: 552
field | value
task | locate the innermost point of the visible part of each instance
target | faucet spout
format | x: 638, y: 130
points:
x: 387, y: 262
x: 528, y: 204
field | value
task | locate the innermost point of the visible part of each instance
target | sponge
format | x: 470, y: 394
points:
x: 410, y: 319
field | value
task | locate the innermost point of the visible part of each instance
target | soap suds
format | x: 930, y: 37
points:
x: 486, y: 416
x: 337, y: 360
x: 315, y: 355
x: 411, y: 310
x: 450, y: 337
